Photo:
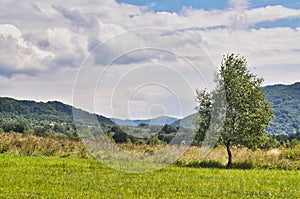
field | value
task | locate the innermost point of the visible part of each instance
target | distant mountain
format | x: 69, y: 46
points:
x: 286, y: 103
x: 162, y: 120
x: 186, y: 122
x: 285, y: 100
x: 36, y: 113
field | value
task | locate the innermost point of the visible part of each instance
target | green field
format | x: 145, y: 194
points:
x: 54, y: 177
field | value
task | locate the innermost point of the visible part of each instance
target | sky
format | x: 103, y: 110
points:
x: 140, y: 58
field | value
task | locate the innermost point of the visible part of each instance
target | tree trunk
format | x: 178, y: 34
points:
x: 229, y: 155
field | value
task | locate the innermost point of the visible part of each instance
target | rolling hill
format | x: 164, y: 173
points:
x: 36, y: 113
x: 162, y: 120
x: 285, y: 100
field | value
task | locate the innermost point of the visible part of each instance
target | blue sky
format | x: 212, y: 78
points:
x: 285, y: 3
x: 43, y: 45
x: 292, y: 23
x: 177, y: 5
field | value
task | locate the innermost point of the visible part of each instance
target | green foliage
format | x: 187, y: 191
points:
x: 140, y: 142
x: 204, y: 110
x: 43, y: 119
x: 287, y: 140
x: 294, y: 142
x: 149, y: 134
x: 270, y: 143
x: 248, y: 113
x: 167, y: 138
x: 285, y: 100
x: 214, y: 164
x: 153, y: 140
x: 120, y: 137
x: 40, y: 112
x: 168, y: 129
x: 291, y: 154
x: 286, y: 104
x: 143, y: 124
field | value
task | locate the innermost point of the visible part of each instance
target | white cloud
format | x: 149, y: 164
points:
x: 44, y: 87
x: 239, y: 4
x: 271, y: 13
x: 52, y: 38
x: 69, y: 48
x: 8, y: 30
x: 18, y: 54
x: 261, y: 46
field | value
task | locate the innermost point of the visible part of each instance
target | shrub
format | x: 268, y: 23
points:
x: 200, y: 164
x: 291, y: 154
x: 32, y: 145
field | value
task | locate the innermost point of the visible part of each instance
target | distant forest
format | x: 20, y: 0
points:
x: 56, y: 119
x: 285, y: 100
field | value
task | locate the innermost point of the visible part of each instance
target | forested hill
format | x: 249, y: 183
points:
x: 286, y: 102
x: 36, y: 113
x: 284, y: 98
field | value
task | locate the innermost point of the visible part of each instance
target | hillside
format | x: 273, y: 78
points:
x: 286, y: 103
x: 285, y: 100
x: 162, y: 120
x: 186, y: 122
x: 11, y: 109
x: 43, y: 118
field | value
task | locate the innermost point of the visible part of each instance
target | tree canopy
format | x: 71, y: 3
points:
x: 248, y: 113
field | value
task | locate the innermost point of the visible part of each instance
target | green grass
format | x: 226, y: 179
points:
x: 54, y: 177
x: 280, y: 158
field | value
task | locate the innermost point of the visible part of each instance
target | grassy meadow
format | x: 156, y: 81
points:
x: 54, y: 177
x: 35, y: 167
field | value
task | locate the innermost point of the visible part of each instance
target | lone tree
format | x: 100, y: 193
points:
x: 247, y: 112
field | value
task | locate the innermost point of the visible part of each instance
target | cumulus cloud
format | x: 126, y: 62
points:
x: 18, y: 54
x: 51, y: 39
x: 271, y: 46
x: 271, y: 13
x: 68, y: 47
